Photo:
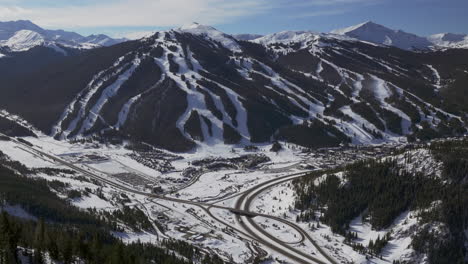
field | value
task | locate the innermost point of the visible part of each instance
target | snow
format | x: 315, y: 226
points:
x: 357, y: 85
x: 185, y: 222
x: 287, y: 37
x: 420, y: 161
x: 313, y: 41
x: 196, y: 100
x: 109, y: 92
x: 135, y: 237
x: 192, y: 224
x: 92, y: 201
x: 449, y: 40
x: 399, y: 247
x: 19, y: 120
x: 24, y: 35
x: 382, y: 92
x: 241, y: 117
x: 285, y: 85
x: 20, y: 153
x: 436, y: 76
x: 361, y: 135
x: 123, y: 114
x: 211, y: 33
x: 319, y: 69
x: 82, y: 100
x: 24, y: 40
x: 279, y: 201
x: 375, y: 33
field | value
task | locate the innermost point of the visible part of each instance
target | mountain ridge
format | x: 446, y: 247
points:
x: 195, y: 85
x: 376, y: 33
x: 10, y: 37
x: 368, y: 31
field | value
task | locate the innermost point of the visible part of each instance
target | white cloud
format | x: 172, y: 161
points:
x: 134, y: 12
x: 309, y: 3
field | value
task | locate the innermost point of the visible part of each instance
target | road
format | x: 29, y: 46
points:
x: 244, y: 203
x: 241, y: 209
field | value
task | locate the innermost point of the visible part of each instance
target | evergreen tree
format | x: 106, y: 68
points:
x: 7, y: 240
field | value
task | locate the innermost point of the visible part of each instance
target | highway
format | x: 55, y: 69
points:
x: 244, y: 203
x: 244, y: 216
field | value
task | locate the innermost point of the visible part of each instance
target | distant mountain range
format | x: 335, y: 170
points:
x: 22, y: 35
x: 373, y: 33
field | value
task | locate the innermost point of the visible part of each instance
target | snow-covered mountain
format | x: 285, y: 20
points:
x: 195, y: 85
x: 101, y: 40
x: 24, y: 40
x: 449, y: 40
x: 302, y: 39
x: 286, y: 37
x: 212, y: 34
x: 23, y: 35
x: 378, y: 34
x: 375, y: 33
x: 8, y: 29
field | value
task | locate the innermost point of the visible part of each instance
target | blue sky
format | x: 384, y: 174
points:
x: 122, y: 17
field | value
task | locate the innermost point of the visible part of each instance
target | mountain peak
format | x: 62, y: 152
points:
x: 196, y: 26
x: 212, y: 33
x: 9, y: 28
x: 21, y: 22
x: 368, y: 25
x: 375, y: 33
x: 24, y: 40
